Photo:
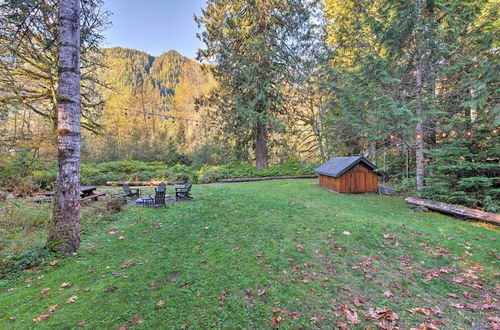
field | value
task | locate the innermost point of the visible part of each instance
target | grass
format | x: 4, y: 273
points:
x: 254, y: 255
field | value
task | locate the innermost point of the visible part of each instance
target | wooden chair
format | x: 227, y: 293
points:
x: 159, y: 199
x: 183, y: 193
x: 162, y: 187
x: 131, y: 192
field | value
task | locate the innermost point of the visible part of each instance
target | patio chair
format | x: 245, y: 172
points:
x: 159, y: 199
x: 161, y: 187
x: 183, y: 193
x: 128, y: 192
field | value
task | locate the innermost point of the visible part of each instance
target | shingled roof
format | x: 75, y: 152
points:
x: 337, y: 166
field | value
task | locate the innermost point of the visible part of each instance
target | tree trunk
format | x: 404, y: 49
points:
x: 261, y: 146
x: 455, y: 210
x: 419, y: 127
x: 64, y: 231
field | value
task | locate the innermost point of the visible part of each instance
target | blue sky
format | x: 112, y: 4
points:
x: 154, y: 26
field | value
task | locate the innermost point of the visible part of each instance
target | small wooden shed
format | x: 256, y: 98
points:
x: 349, y: 175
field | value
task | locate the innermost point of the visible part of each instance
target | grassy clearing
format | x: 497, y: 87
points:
x: 255, y: 255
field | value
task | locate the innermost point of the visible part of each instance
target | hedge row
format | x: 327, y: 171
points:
x: 132, y: 170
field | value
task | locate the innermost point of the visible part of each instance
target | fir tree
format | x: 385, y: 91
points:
x: 256, y: 46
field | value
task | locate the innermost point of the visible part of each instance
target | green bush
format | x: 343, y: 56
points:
x: 466, y: 171
x: 291, y: 167
x: 45, y: 179
x: 35, y: 256
x: 133, y: 170
x: 211, y: 175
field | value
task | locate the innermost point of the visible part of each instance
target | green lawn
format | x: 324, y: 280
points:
x: 276, y: 253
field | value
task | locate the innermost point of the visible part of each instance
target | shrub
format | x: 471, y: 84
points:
x: 45, y: 179
x: 34, y: 256
x: 116, y: 205
x: 133, y: 170
x: 211, y: 175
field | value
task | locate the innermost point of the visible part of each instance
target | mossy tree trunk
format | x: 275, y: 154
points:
x: 64, y: 231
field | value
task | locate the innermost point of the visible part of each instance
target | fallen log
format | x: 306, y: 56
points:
x: 141, y: 183
x: 456, y: 210
x: 234, y: 180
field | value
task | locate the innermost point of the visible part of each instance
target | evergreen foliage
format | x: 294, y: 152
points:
x: 255, y: 47
x: 466, y: 170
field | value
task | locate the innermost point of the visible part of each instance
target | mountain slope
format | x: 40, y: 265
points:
x: 132, y: 68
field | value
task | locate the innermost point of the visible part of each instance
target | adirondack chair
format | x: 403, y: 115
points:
x: 159, y: 199
x: 131, y: 192
x: 161, y: 187
x: 183, y: 193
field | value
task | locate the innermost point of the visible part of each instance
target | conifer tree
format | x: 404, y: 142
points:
x: 255, y: 46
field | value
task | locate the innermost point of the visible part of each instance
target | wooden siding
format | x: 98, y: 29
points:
x: 359, y: 179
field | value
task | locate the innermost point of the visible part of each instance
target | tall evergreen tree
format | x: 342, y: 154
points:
x: 255, y: 46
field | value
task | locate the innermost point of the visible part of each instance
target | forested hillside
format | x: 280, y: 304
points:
x: 148, y: 111
x: 130, y: 68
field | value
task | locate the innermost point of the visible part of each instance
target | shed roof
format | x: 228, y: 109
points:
x: 337, y: 166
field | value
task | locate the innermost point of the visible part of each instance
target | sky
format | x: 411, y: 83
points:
x: 154, y: 26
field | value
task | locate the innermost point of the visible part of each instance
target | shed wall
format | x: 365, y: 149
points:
x: 359, y: 179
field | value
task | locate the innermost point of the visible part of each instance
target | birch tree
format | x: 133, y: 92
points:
x: 64, y: 231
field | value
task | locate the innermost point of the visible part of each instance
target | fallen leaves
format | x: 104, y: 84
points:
x: 465, y: 281
x: 277, y: 319
x: 44, y: 292
x: 127, y: 265
x: 459, y: 305
x: 261, y: 292
x: 137, y: 320
x: 346, y: 233
x: 386, y: 317
x: 47, y: 314
x: 71, y: 299
x: 357, y: 301
x: 494, y: 322
x: 54, y: 262
x: 155, y: 283
x: 420, y: 310
x: 222, y: 297
x: 388, y: 294
x: 249, y: 300
x: 390, y: 236
x: 111, y: 288
x: 350, y: 314
x: 160, y: 304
